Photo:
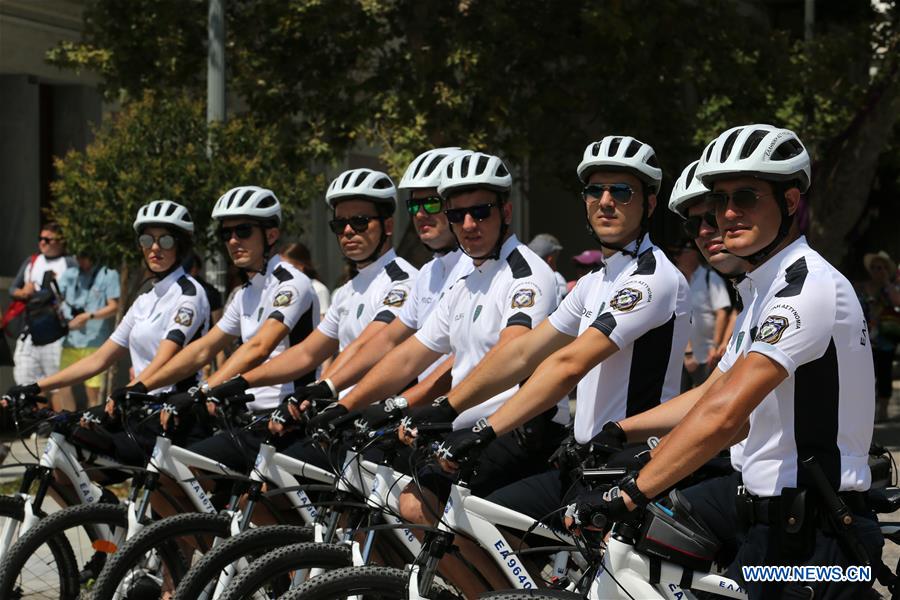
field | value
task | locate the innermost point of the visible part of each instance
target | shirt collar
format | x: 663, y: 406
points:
x: 449, y: 259
x: 369, y: 272
x: 258, y: 279
x: 764, y: 275
x: 618, y: 261
x: 511, y: 243
x: 162, y: 286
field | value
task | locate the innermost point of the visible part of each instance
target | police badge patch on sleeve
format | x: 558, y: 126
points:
x: 284, y: 297
x: 184, y: 316
x: 396, y: 297
x: 625, y: 299
x: 772, y: 329
x: 524, y: 298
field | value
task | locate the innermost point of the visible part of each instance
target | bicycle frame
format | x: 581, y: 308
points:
x: 58, y: 454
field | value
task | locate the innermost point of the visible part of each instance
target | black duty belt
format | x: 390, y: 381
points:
x: 765, y: 511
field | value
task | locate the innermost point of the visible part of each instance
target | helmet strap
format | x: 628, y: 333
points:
x: 376, y: 252
x: 645, y: 225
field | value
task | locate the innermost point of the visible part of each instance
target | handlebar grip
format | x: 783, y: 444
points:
x: 435, y: 428
x: 345, y: 419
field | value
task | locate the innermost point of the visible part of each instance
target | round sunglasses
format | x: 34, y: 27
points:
x: 166, y: 241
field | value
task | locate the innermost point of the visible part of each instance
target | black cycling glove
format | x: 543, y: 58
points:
x: 438, y: 411
x: 381, y: 414
x: 118, y: 395
x: 610, y: 440
x: 467, y: 443
x: 235, y: 386
x: 325, y: 417
x: 30, y: 389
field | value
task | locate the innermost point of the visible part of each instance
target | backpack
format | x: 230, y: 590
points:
x: 43, y: 318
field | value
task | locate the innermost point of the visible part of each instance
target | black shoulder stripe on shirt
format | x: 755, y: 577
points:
x: 519, y: 318
x: 605, y: 323
x: 646, y: 263
x: 277, y: 315
x: 385, y: 316
x: 795, y: 276
x: 282, y: 274
x: 395, y: 272
x: 817, y: 386
x: 177, y: 336
x: 187, y: 286
x: 518, y: 264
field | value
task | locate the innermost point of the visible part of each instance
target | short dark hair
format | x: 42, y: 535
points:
x: 52, y: 226
x: 300, y: 253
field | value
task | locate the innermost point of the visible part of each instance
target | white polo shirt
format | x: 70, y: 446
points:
x: 806, y: 317
x: 642, y: 305
x: 516, y: 289
x: 740, y: 333
x: 708, y: 294
x: 285, y: 294
x: 176, y: 309
x: 377, y: 293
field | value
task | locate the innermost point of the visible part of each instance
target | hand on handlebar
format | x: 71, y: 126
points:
x: 325, y: 417
x: 287, y: 415
x: 464, y: 444
x: 439, y: 411
x: 19, y: 391
x: 596, y: 509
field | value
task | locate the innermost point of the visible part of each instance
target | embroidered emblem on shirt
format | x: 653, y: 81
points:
x: 184, y: 316
x: 772, y: 329
x: 359, y: 310
x: 283, y: 297
x: 477, y: 312
x: 740, y: 340
x: 625, y: 299
x: 523, y: 298
x: 395, y: 297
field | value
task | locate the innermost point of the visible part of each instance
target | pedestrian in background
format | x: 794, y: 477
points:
x: 880, y: 299
x: 35, y: 362
x: 91, y: 299
x: 548, y: 247
x: 584, y: 263
x: 710, y: 308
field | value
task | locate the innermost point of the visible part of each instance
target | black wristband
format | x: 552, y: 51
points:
x: 630, y: 487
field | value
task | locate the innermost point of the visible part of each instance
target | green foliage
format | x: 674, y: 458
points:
x: 155, y: 148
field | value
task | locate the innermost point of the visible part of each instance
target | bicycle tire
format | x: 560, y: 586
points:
x: 385, y: 583
x: 160, y: 536
x: 51, y: 531
x: 275, y: 567
x: 251, y: 543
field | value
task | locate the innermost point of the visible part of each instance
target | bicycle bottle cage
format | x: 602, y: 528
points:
x: 671, y: 533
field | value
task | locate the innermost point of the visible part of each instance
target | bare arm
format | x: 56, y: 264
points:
x: 165, y: 352
x: 390, y: 375
x: 714, y: 423
x: 347, y: 354
x: 295, y: 362
x: 252, y: 353
x: 84, y: 369
x: 438, y: 382
x: 346, y: 372
x: 507, y: 364
x: 553, y: 379
x: 194, y: 355
x: 660, y: 420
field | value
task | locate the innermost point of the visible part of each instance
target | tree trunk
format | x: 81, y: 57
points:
x: 842, y: 180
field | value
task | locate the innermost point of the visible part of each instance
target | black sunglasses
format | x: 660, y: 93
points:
x: 620, y: 192
x: 359, y: 223
x: 48, y: 239
x: 166, y: 241
x: 479, y: 212
x: 431, y: 205
x: 692, y: 225
x: 742, y: 199
x: 242, y: 231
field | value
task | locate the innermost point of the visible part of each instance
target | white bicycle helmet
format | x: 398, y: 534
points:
x: 622, y: 153
x: 165, y: 213
x: 425, y: 171
x: 687, y: 189
x: 371, y: 185
x: 474, y: 170
x: 762, y: 151
x: 248, y: 201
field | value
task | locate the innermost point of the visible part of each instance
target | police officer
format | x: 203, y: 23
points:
x: 803, y: 378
